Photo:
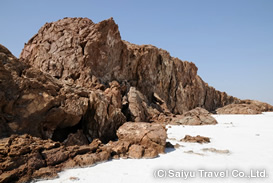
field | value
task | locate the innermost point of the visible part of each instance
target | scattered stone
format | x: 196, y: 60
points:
x: 197, y: 139
x: 172, y: 139
x: 192, y: 152
x: 74, y: 178
x: 216, y: 151
x: 176, y: 146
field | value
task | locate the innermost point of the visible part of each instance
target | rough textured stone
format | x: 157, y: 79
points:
x: 145, y: 134
x: 136, y: 151
x: 197, y: 139
x: 102, y: 118
x: 245, y: 107
x: 138, y: 105
x: 36, y: 103
x: 77, y: 138
x: 197, y: 116
x: 44, y: 158
x: 80, y: 52
x: 226, y: 151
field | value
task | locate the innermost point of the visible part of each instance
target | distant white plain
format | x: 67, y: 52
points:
x: 249, y: 138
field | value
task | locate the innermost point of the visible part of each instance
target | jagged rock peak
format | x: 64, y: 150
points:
x: 79, y: 52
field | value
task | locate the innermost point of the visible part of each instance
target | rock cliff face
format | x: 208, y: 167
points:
x: 82, y: 53
x: 36, y: 103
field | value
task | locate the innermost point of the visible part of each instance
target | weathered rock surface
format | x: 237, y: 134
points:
x: 197, y: 116
x: 245, y: 107
x: 226, y: 151
x: 196, y: 139
x: 151, y: 138
x: 78, y: 51
x: 23, y: 158
x: 36, y: 103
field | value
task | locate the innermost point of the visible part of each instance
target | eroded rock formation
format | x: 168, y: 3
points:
x: 245, y: 107
x: 36, y: 103
x: 80, y: 52
x: 197, y: 116
x: 23, y: 158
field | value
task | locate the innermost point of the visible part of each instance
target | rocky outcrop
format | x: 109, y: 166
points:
x: 36, y: 103
x: 197, y: 116
x: 245, y: 107
x: 24, y: 158
x: 80, y: 52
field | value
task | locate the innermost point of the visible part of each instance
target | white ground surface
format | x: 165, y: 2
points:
x: 249, y: 138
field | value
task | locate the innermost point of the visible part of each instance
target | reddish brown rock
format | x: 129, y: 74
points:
x: 45, y: 173
x: 91, y: 159
x: 197, y: 139
x: 135, y: 151
x: 78, y: 51
x: 245, y: 107
x: 77, y: 138
x: 138, y: 105
x: 34, y: 102
x: 38, y: 104
x: 44, y: 158
x: 144, y: 134
x: 120, y: 147
x: 150, y: 153
x: 102, y: 118
x: 197, y: 116
x: 55, y: 156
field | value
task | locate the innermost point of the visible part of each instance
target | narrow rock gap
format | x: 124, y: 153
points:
x: 61, y: 134
x: 83, y: 44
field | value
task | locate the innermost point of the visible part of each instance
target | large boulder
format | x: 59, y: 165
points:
x: 146, y: 139
x: 197, y: 116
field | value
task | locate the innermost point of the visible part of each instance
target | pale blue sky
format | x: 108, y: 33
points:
x: 230, y: 41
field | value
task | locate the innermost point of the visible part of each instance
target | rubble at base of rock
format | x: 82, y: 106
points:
x: 23, y: 157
